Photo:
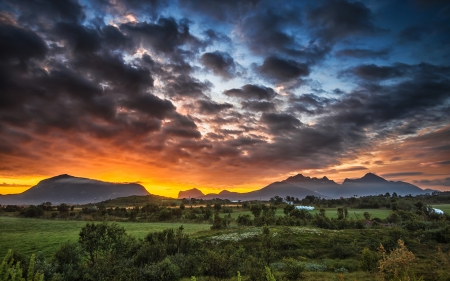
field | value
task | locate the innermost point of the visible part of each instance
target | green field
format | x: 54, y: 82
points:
x: 444, y: 207
x: 29, y: 236
x: 332, y: 212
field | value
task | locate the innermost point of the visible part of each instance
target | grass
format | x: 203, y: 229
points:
x: 331, y: 212
x: 29, y: 236
x: 444, y: 207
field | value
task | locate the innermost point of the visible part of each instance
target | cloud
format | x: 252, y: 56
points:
x: 211, y: 107
x: 258, y: 106
x: 280, y: 122
x: 412, y: 33
x: 250, y: 91
x: 376, y: 73
x: 281, y: 70
x: 166, y: 36
x: 364, y: 53
x: 338, y: 19
x: 219, y: 10
x: 402, y: 174
x: 220, y: 63
x: 35, y: 12
x: 18, y: 45
x: 352, y: 169
x: 447, y: 162
x: 436, y: 182
x: 186, y: 86
x: 13, y: 185
x: 151, y: 106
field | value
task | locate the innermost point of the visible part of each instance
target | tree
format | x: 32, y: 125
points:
x: 63, y: 208
x: 340, y: 212
x: 256, y: 210
x: 367, y: 215
x: 102, y: 241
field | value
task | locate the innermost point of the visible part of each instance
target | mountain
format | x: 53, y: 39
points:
x: 300, y: 186
x: 281, y: 189
x: 321, y: 185
x: 74, y: 190
x: 191, y: 193
x: 372, y: 184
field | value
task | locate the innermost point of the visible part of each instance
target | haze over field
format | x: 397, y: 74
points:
x: 221, y: 95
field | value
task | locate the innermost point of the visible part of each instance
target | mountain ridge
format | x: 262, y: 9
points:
x: 65, y: 188
x: 369, y: 184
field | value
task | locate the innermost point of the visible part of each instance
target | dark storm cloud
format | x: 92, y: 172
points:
x: 265, y: 31
x: 252, y: 92
x: 166, y: 36
x: 151, y: 105
x: 182, y: 126
x: 375, y: 72
x: 338, y: 19
x: 123, y: 7
x: 220, y: 10
x: 280, y: 122
x: 425, y: 88
x: 258, y: 105
x: 220, y: 63
x: 364, y: 53
x: 401, y: 174
x: 436, y: 182
x: 412, y: 33
x: 282, y: 70
x: 33, y: 12
x: 309, y: 103
x: 18, y: 44
x: 211, y: 107
x: 186, y: 86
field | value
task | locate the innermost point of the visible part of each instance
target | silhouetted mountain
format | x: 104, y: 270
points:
x: 191, y: 193
x: 281, y: 189
x: 372, y: 184
x: 299, y: 186
x: 69, y: 189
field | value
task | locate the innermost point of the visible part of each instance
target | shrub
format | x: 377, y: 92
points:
x: 369, y: 260
x: 293, y: 268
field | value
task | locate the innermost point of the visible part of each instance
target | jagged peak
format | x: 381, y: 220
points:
x: 372, y: 177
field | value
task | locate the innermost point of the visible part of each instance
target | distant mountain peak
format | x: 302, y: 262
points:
x: 191, y: 193
x: 372, y: 178
x: 60, y: 177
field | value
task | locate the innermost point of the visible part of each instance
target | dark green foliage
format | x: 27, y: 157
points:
x: 369, y: 260
x: 293, y: 269
x: 244, y: 220
x: 32, y: 212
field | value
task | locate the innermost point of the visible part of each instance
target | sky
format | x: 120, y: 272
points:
x: 224, y: 94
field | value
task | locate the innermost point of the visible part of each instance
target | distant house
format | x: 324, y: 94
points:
x: 438, y: 211
x: 307, y: 208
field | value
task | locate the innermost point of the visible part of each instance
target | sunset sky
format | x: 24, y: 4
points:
x: 224, y: 94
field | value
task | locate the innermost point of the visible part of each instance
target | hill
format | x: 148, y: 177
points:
x: 300, y: 186
x: 74, y: 190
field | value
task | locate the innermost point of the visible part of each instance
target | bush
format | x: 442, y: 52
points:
x: 369, y: 260
x: 293, y: 269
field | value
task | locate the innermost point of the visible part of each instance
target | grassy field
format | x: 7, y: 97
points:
x: 29, y: 236
x: 331, y: 212
x: 444, y: 207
